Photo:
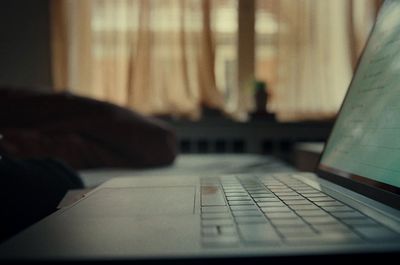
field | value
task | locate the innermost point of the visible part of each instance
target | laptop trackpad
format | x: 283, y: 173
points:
x: 137, y: 201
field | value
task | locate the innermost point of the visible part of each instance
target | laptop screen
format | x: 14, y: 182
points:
x: 365, y: 142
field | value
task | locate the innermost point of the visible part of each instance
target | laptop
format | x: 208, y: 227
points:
x: 350, y: 206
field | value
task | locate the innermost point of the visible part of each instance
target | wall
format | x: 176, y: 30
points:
x: 24, y: 43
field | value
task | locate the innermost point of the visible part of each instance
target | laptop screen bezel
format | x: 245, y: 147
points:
x: 385, y: 193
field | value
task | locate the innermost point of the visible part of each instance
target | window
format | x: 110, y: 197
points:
x: 174, y: 57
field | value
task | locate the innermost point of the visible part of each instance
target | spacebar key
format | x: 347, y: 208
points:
x: 258, y: 233
x: 212, y: 196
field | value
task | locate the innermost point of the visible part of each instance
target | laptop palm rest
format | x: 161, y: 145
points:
x: 134, y: 201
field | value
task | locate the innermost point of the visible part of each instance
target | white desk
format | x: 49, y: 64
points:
x: 194, y: 165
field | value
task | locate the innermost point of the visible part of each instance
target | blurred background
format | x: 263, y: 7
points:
x: 280, y: 66
x: 240, y: 82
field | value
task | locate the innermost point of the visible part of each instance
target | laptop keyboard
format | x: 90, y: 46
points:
x: 243, y: 210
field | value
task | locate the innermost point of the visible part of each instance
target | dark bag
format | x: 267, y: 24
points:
x: 30, y: 190
x: 83, y: 132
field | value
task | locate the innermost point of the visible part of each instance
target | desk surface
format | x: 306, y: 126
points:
x: 194, y: 165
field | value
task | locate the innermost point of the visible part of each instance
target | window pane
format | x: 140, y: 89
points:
x: 266, y: 41
x: 224, y: 25
x: 306, y: 53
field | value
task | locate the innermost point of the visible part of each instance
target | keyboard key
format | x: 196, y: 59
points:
x: 304, y: 207
x: 281, y: 215
x: 282, y: 189
x: 216, y: 222
x: 233, y: 188
x: 309, y: 194
x: 270, y: 182
x: 289, y: 232
x: 253, y: 186
x: 257, y: 196
x: 250, y: 219
x: 243, y: 207
x: 291, y: 198
x: 210, y: 231
x: 229, y: 191
x: 273, y: 199
x: 321, y: 199
x: 292, y: 182
x: 267, y: 210
x: 317, y: 212
x: 247, y: 213
x: 288, y: 222
x: 270, y: 204
x: 258, y: 233
x: 220, y: 241
x: 260, y: 192
x: 224, y: 215
x: 257, y: 189
x: 241, y: 203
x: 230, y: 184
x: 239, y: 198
x: 286, y: 193
x: 236, y: 194
x: 300, y: 187
x: 298, y: 202
x: 308, y: 190
x: 227, y: 230
x: 320, y: 220
x: 276, y: 186
x: 312, y: 195
x: 214, y: 209
x: 342, y: 208
x: 212, y: 196
x: 250, y: 182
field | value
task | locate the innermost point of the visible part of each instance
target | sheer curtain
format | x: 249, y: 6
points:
x: 315, y: 48
x: 175, y: 56
x: 155, y: 56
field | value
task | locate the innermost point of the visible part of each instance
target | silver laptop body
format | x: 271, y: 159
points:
x: 350, y: 206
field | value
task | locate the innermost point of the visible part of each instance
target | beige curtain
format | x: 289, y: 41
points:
x: 59, y: 44
x: 159, y: 56
x: 155, y: 56
x: 71, y: 44
x: 318, y: 43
